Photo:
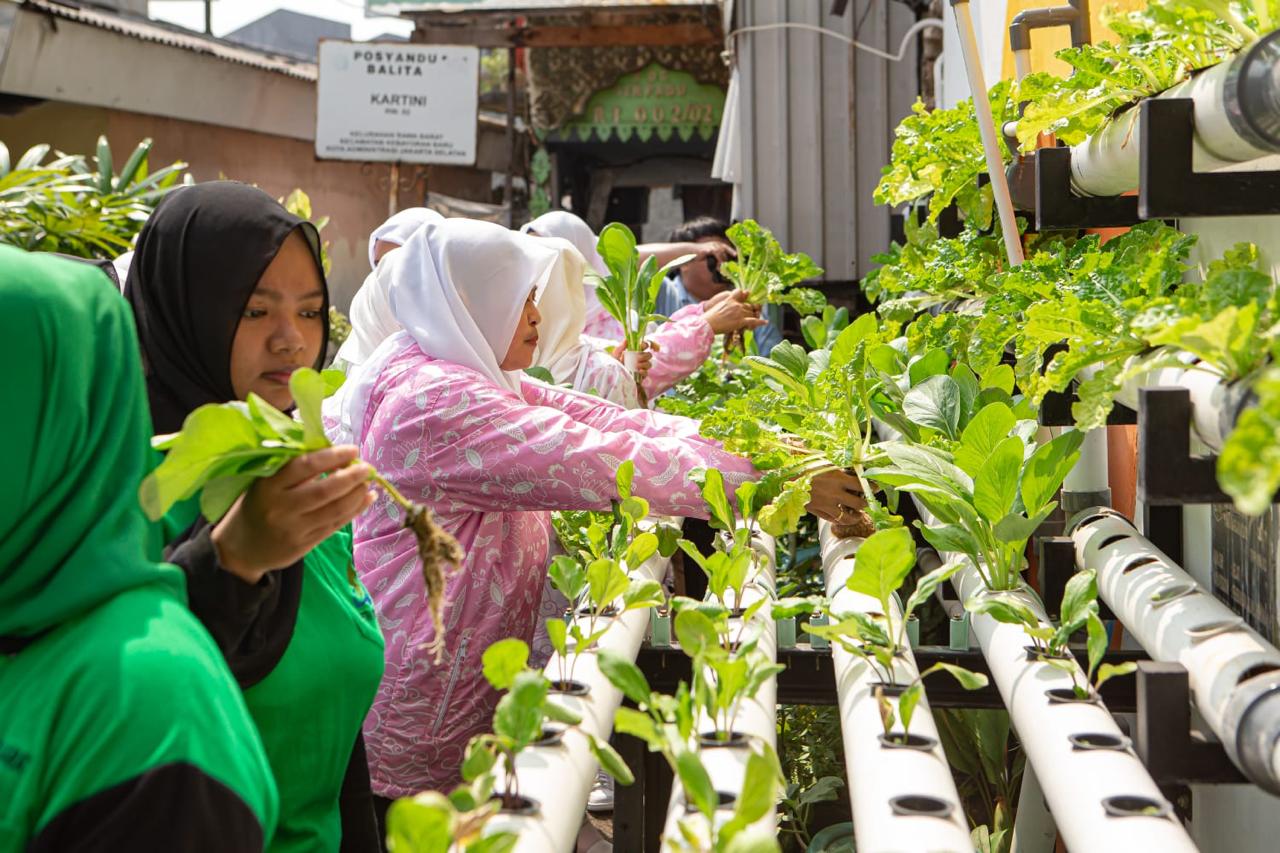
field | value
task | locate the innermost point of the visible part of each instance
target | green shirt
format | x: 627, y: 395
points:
x: 129, y: 687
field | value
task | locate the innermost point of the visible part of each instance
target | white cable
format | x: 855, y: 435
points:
x: 922, y: 24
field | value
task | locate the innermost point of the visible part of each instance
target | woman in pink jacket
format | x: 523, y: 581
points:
x: 440, y: 408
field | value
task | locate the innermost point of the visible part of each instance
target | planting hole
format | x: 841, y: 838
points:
x: 1256, y: 670
x: 724, y: 801
x: 897, y: 740
x: 1205, y: 630
x: 890, y: 691
x: 1172, y: 592
x: 518, y: 804
x: 1066, y: 696
x: 570, y: 688
x: 550, y: 737
x: 718, y: 740
x: 1132, y: 805
x: 1113, y: 539
x: 920, y: 805
x: 1137, y: 563
x: 1098, y: 740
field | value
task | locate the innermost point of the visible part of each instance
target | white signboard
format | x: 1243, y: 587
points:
x: 406, y: 102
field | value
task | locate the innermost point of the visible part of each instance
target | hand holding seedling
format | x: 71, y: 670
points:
x: 644, y: 360
x: 732, y: 313
x: 836, y: 496
x: 281, y: 518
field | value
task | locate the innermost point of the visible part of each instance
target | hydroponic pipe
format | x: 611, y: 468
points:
x: 1103, y: 796
x: 559, y: 777
x: 1215, y: 405
x: 1233, y: 672
x: 881, y: 776
x: 987, y: 128
x: 1088, y: 484
x: 757, y: 717
x: 1237, y: 118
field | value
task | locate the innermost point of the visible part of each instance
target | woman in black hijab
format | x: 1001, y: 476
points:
x: 229, y: 295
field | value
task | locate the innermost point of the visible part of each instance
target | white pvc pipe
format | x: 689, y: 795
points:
x: 991, y: 141
x: 1075, y: 782
x: 1090, y: 472
x: 1106, y: 163
x: 560, y: 777
x: 1212, y: 400
x: 878, y: 774
x: 1196, y: 630
x: 757, y: 717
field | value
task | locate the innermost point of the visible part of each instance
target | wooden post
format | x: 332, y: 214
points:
x: 508, y: 194
x: 208, y: 17
x: 393, y: 191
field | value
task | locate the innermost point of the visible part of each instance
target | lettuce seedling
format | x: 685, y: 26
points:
x: 223, y: 448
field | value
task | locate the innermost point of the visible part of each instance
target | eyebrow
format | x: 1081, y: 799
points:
x: 277, y: 296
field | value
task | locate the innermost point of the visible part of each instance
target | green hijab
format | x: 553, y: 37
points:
x: 75, y: 435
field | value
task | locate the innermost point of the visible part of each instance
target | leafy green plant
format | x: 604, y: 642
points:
x: 666, y: 725
x: 722, y: 677
x: 987, y: 764
x: 909, y: 699
x: 223, y: 448
x: 68, y: 206
x: 432, y: 822
x: 521, y: 719
x: 989, y: 494
x: 768, y: 274
x: 630, y: 291
x: 732, y: 563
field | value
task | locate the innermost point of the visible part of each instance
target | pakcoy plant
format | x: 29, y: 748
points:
x: 1051, y: 644
x: 522, y: 719
x: 909, y: 699
x: 223, y: 448
x: 666, y: 724
x: 723, y: 677
x: 597, y: 576
x: 431, y: 822
x: 988, y: 493
x: 630, y: 291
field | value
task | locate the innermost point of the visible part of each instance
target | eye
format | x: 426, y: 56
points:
x: 254, y: 313
x: 310, y: 314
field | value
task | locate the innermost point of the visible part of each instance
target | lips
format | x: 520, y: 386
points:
x: 532, y: 340
x: 281, y: 376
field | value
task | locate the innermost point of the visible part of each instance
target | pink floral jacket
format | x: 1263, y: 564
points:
x: 684, y: 343
x: 491, y: 466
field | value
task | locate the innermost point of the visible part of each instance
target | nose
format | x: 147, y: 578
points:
x: 286, y: 337
x: 535, y: 317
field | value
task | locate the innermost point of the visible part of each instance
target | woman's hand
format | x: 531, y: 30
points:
x: 644, y: 361
x: 281, y: 518
x: 836, y: 496
x: 733, y: 313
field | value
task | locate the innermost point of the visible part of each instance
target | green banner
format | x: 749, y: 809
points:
x: 654, y: 100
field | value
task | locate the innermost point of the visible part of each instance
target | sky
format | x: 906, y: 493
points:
x: 229, y: 15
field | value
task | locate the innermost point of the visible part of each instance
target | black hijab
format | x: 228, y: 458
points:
x: 197, y: 262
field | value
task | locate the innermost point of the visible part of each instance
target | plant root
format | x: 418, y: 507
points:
x: 436, y: 548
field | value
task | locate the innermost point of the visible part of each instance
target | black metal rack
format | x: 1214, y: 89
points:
x: 1058, y: 207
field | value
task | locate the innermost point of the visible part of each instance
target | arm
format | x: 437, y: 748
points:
x: 684, y: 343
x: 610, y: 417
x: 483, y: 449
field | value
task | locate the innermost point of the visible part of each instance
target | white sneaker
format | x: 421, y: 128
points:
x: 601, y: 797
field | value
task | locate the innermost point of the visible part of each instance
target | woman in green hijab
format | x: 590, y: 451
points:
x: 121, y: 727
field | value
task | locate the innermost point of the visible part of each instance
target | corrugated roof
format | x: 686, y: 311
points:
x: 159, y: 33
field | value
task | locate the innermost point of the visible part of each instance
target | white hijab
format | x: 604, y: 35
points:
x: 567, y: 226
x: 563, y: 307
x: 457, y: 288
x: 398, y: 228
x: 371, y: 319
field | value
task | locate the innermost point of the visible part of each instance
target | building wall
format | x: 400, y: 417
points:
x: 817, y: 120
x: 353, y: 195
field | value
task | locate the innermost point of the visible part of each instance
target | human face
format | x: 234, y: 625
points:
x: 281, y: 328
x: 525, y: 341
x: 382, y: 247
x: 697, y: 277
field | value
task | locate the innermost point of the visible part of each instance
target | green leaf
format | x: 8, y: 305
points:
x: 644, y: 546
x: 624, y: 675
x: 995, y: 487
x: 309, y: 389
x: 1019, y: 528
x: 479, y: 759
x: 1003, y: 609
x: 629, y: 721
x: 626, y: 475
x: 929, y: 583
x: 882, y: 563
x: 1048, y: 466
x: 424, y: 822
x: 642, y: 593
x: 753, y: 841
x: 610, y: 761
x: 935, y: 404
x: 950, y: 538
x: 695, y: 632
x: 503, y: 660
x: 933, y: 363
x: 967, y: 679
x: 605, y: 582
x: 713, y: 492
x: 1079, y: 596
x: 1097, y: 642
x: 557, y: 634
x: 907, y: 704
x: 568, y: 577
x: 1108, y: 671
x: 520, y: 712
x: 698, y: 790
x: 989, y: 427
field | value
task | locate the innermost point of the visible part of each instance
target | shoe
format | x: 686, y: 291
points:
x: 601, y: 797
